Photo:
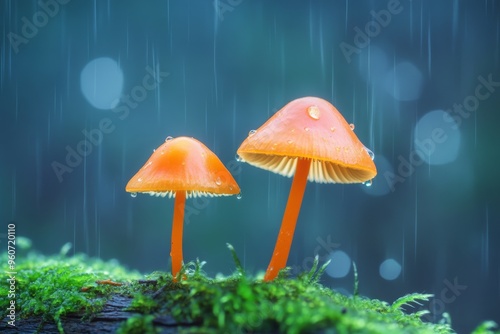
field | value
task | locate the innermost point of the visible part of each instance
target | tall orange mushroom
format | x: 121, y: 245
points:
x: 310, y: 139
x: 182, y: 167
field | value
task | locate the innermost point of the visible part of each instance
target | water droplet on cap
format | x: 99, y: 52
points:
x: 218, y: 181
x: 169, y: 138
x: 370, y: 153
x: 306, y: 128
x: 134, y: 195
x: 139, y: 179
x: 313, y: 112
x: 251, y: 132
x: 332, y: 129
x: 351, y: 126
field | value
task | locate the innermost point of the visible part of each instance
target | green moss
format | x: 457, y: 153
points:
x: 138, y: 324
x: 50, y: 287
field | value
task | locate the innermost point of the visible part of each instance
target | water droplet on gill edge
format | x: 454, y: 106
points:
x: 238, y: 158
x: 239, y: 196
x: 368, y: 183
x: 134, y: 195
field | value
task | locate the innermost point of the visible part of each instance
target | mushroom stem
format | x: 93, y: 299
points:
x: 176, y: 239
x: 285, y: 237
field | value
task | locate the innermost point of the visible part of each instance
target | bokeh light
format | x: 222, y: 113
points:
x: 390, y: 269
x: 437, y: 138
x: 340, y: 264
x: 101, y: 81
x: 404, y: 82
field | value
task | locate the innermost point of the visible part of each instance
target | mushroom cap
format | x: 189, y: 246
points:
x: 309, y: 128
x: 183, y: 164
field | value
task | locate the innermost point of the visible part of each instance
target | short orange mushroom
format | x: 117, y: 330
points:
x: 310, y: 139
x: 182, y: 167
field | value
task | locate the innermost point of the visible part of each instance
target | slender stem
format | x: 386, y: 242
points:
x: 285, y: 237
x: 176, y: 242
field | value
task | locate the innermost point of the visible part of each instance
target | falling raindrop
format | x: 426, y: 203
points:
x: 370, y: 153
x: 251, y: 132
x: 169, y: 138
x: 351, y: 126
x: 313, y: 112
x: 134, y: 195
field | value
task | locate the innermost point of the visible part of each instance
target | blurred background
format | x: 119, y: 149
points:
x: 89, y: 88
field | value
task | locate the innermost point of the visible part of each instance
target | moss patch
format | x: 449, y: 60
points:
x: 51, y: 288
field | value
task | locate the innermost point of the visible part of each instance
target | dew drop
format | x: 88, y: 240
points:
x: 239, y: 196
x: 332, y: 129
x: 251, y: 132
x: 351, y: 126
x: 134, y: 195
x: 368, y: 183
x: 139, y: 179
x: 306, y: 128
x: 169, y: 138
x: 313, y: 112
x: 218, y: 181
x: 370, y: 153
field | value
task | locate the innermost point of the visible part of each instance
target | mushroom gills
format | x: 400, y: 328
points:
x: 320, y: 171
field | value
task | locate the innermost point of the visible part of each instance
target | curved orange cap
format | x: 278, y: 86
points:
x: 183, y: 164
x: 309, y: 128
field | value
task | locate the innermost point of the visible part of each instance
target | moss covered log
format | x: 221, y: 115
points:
x: 75, y: 294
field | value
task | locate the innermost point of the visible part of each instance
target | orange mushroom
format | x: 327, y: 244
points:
x: 310, y: 139
x: 182, y: 167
